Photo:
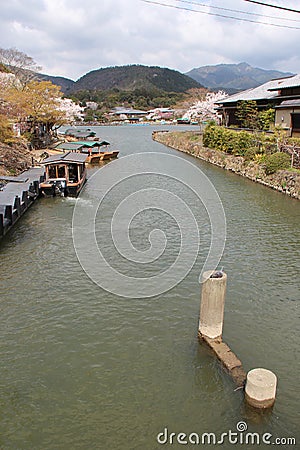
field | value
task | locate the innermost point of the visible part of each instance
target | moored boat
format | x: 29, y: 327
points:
x: 80, y: 133
x: 65, y: 174
x: 92, y: 150
x: 94, y: 158
x: 183, y: 121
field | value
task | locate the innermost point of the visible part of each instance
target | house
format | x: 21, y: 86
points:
x: 160, y: 114
x: 263, y: 95
x: 92, y: 105
x: 129, y: 114
x: 283, y: 94
x: 287, y: 112
x: 287, y: 115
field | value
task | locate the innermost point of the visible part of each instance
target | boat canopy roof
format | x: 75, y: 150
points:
x: 80, y: 144
x: 91, y: 143
x: 80, y: 133
x: 69, y: 146
x: 70, y: 157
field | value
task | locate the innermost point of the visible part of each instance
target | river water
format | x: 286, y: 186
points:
x: 83, y: 368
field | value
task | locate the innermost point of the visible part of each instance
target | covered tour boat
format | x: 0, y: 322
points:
x: 65, y: 174
x: 95, y: 156
x: 92, y: 150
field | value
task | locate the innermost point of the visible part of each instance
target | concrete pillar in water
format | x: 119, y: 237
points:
x: 260, y: 390
x: 212, y: 304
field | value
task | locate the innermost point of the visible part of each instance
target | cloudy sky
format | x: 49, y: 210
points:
x: 72, y: 37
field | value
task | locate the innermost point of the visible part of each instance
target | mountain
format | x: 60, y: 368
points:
x: 233, y: 76
x: 129, y: 78
x: 229, y: 77
x: 65, y: 83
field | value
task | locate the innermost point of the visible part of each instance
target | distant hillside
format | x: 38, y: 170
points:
x: 233, y: 76
x: 129, y: 78
x: 65, y: 83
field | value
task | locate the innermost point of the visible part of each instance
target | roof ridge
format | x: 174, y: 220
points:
x: 65, y: 154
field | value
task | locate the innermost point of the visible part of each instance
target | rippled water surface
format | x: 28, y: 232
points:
x: 85, y: 369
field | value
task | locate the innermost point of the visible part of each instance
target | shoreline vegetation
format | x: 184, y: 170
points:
x: 286, y: 181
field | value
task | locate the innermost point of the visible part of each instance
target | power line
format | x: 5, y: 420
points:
x: 219, y: 15
x: 237, y: 11
x: 273, y: 6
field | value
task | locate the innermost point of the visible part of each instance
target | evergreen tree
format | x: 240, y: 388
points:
x: 247, y: 114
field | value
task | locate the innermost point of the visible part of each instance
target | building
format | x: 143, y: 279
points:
x: 92, y: 105
x: 160, y: 114
x: 128, y: 114
x: 282, y: 94
x: 287, y: 113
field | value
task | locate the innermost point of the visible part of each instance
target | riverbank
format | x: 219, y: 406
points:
x: 15, y: 158
x: 190, y: 142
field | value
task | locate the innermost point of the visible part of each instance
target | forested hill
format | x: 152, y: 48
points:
x: 129, y: 78
x: 65, y: 83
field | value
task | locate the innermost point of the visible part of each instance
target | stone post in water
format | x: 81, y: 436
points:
x: 260, y: 390
x: 212, y: 304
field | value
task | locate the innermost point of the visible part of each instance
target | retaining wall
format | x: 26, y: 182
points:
x: 283, y: 181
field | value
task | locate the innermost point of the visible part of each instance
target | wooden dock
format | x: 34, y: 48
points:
x: 18, y: 195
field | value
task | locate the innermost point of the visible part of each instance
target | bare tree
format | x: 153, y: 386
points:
x: 22, y: 65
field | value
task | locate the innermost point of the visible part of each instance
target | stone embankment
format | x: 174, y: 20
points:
x: 283, y: 181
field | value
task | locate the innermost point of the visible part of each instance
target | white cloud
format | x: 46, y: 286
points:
x: 70, y: 38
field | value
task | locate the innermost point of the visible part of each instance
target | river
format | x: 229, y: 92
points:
x: 84, y: 368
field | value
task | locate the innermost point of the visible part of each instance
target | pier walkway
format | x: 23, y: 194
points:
x: 18, y: 195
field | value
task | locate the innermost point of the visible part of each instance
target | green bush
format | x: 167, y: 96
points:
x: 244, y: 141
x: 294, y: 141
x: 276, y: 161
x: 194, y: 137
x: 227, y: 140
x: 266, y: 118
x: 250, y: 153
x: 268, y: 143
x: 252, y: 146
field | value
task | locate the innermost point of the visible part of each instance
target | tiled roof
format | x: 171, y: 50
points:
x: 259, y: 93
x: 288, y: 82
x: 289, y: 103
x: 265, y: 91
x: 119, y: 111
x: 65, y: 157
